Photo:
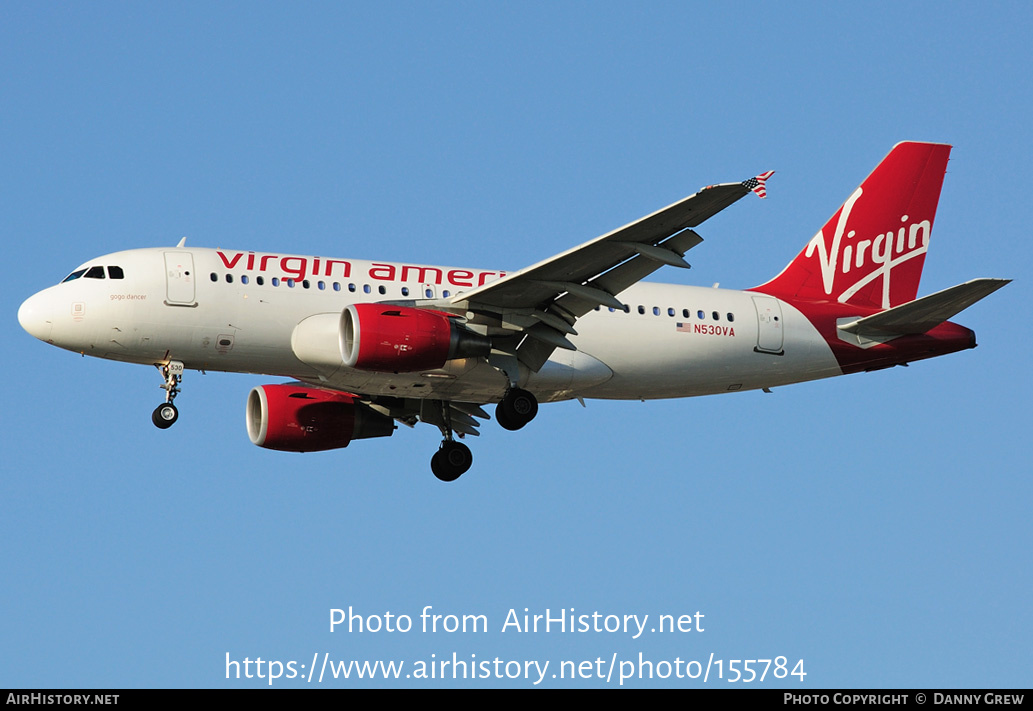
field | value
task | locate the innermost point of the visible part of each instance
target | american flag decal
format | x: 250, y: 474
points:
x: 683, y: 328
x: 757, y: 184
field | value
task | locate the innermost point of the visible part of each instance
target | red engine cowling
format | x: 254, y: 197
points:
x: 401, y: 339
x: 294, y: 418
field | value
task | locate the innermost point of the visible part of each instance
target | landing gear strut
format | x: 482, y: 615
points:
x: 453, y: 459
x: 516, y: 409
x: 166, y: 414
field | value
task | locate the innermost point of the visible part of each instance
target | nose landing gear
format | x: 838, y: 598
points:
x: 166, y: 414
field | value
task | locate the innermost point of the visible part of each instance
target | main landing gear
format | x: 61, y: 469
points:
x: 166, y: 414
x: 516, y: 409
x: 453, y: 459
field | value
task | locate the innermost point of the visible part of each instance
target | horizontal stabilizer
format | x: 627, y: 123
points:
x: 926, y: 313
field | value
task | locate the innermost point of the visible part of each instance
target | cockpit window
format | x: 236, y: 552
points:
x: 74, y: 275
x: 116, y: 273
x: 95, y: 273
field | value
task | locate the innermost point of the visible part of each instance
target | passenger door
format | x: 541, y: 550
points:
x: 179, y: 279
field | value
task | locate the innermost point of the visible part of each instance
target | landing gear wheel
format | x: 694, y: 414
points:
x: 516, y: 409
x: 451, y: 461
x: 165, y: 415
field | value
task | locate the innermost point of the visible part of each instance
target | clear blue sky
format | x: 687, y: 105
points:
x: 876, y: 526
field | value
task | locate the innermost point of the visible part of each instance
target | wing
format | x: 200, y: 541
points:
x: 530, y: 313
x: 541, y: 304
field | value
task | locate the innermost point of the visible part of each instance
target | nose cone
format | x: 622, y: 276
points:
x: 35, y: 317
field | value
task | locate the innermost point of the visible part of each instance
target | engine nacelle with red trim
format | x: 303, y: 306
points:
x: 402, y: 339
x: 295, y: 418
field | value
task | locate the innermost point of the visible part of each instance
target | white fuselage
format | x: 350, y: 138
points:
x: 271, y: 314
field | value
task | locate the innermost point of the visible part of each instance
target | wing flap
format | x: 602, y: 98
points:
x: 630, y: 272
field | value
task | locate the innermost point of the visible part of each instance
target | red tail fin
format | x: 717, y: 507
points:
x: 871, y: 252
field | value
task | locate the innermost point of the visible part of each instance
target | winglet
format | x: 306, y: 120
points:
x: 757, y: 184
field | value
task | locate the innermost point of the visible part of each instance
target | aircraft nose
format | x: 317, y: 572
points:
x: 35, y: 317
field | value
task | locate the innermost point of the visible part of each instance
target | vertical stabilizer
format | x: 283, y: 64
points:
x: 871, y: 252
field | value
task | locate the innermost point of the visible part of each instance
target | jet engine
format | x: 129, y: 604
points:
x: 401, y: 339
x: 295, y: 418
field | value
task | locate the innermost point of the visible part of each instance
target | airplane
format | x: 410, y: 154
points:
x: 370, y: 345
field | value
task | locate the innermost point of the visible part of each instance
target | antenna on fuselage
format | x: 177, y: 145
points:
x: 182, y: 243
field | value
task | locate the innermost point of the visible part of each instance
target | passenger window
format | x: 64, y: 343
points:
x: 641, y: 309
x: 115, y: 273
x: 656, y: 310
x: 260, y: 280
x: 305, y: 284
x: 685, y: 313
x: 275, y: 281
x: 383, y: 290
x: 700, y: 314
x: 670, y: 312
x: 405, y: 291
x: 229, y: 278
x: 731, y: 317
x: 716, y: 315
x: 365, y: 288
x: 446, y: 294
x: 215, y: 277
x: 290, y: 283
x: 244, y: 279
x: 337, y: 286
x: 351, y: 287
x: 95, y: 273
x: 321, y: 285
